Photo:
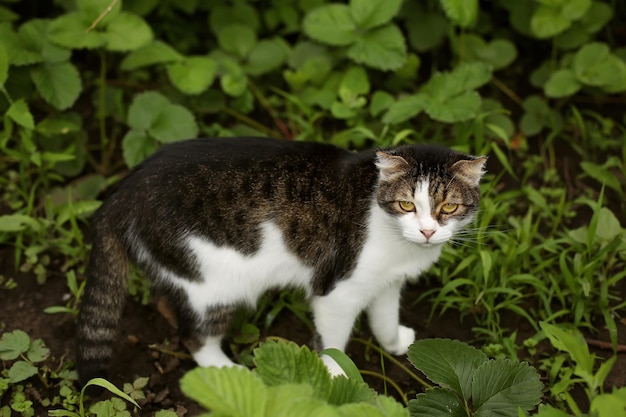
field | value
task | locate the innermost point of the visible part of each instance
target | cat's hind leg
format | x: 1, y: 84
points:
x: 383, y: 314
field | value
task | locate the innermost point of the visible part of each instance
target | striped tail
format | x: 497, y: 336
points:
x: 102, y: 305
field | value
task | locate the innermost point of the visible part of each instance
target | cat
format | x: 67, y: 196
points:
x: 217, y: 222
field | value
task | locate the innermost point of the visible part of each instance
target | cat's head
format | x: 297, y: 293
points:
x: 430, y: 191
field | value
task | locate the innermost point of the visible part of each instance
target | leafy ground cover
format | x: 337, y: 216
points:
x: 90, y: 88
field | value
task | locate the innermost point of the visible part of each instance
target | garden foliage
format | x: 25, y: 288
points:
x: 89, y: 88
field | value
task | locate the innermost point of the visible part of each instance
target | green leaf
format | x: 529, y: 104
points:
x: 92, y: 9
x: 499, y: 53
x: 173, y: 124
x: 548, y: 21
x: 34, y: 40
x: 58, y: 83
x: 20, y: 114
x: 449, y: 363
x: 383, y: 48
x: 13, y: 344
x: 37, y: 351
x: 354, y: 83
x: 437, y: 402
x: 369, y: 14
x: 101, y: 382
x: 344, y: 361
x: 137, y: 146
x: 15, y: 223
x: 562, y: 83
x: 405, y: 108
x: 381, y: 101
x: 21, y: 371
x: 345, y: 391
x: 227, y: 391
x: 331, y: 24
x: 266, y: 56
x: 4, y: 65
x: 127, y: 32
x: 237, y: 39
x: 608, y: 227
x: 286, y: 363
x: 595, y: 65
x: 502, y: 386
x: 156, y: 52
x: 239, y: 13
x: 192, y: 75
x: 294, y: 399
x: 462, y: 13
x: 598, y: 15
x: 549, y: 411
x: 454, y: 109
x: 70, y: 30
x: 572, y: 342
x: 234, y: 84
x: 145, y: 108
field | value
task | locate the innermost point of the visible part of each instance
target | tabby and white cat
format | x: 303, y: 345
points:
x: 217, y: 222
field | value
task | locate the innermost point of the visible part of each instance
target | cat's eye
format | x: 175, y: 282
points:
x: 406, y: 205
x: 449, y: 208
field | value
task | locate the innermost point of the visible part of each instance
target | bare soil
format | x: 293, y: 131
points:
x: 145, y: 334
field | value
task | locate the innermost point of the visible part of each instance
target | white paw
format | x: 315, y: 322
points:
x: 333, y: 367
x: 401, y: 344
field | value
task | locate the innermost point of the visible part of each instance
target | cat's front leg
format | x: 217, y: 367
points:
x: 334, y: 316
x: 383, y: 314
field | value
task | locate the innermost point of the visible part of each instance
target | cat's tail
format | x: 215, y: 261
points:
x: 102, y: 303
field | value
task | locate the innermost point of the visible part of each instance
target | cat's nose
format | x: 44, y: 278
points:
x: 427, y: 233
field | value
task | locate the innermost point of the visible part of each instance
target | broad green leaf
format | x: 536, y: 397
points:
x: 549, y: 411
x: 21, y: 371
x: 405, y: 108
x: 595, y: 65
x: 237, y: 39
x: 15, y: 223
x: 58, y: 125
x: 303, y: 52
x: 608, y: 227
x: 608, y: 405
x: 572, y: 342
x: 548, y: 21
x: 354, y: 83
x: 382, y: 48
x: 156, y: 52
x: 369, y: 14
x: 239, y: 13
x: 462, y: 107
x: 234, y: 84
x: 575, y: 9
x: 7, y: 15
x: 230, y: 391
x: 598, y: 15
x: 294, y: 399
x: 13, y: 344
x: 70, y: 30
x: 345, y: 391
x: 137, y: 146
x: 359, y: 410
x: 127, y: 32
x: 145, y: 108
x: 266, y: 56
x: 502, y: 386
x: 101, y: 382
x: 33, y: 36
x: 332, y: 24
x: 192, y: 75
x: 498, y: 53
x: 37, y: 351
x: 603, y: 173
x: 390, y: 407
x: 287, y: 363
x: 381, y: 101
x: 173, y: 124
x: 449, y: 363
x: 92, y: 9
x: 20, y: 114
x: 462, y: 13
x: 562, y: 83
x: 58, y: 83
x: 437, y: 402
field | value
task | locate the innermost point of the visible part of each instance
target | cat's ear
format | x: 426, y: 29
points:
x: 471, y: 170
x: 390, y: 166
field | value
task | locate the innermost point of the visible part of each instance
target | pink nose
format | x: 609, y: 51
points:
x: 427, y: 233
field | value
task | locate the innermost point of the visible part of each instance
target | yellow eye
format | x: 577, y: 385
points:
x: 406, y: 205
x: 449, y: 208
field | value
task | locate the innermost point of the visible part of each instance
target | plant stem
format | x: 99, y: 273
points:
x: 394, y: 360
x: 389, y: 381
x: 251, y: 122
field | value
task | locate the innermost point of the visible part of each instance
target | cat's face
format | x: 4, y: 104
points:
x: 430, y: 192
